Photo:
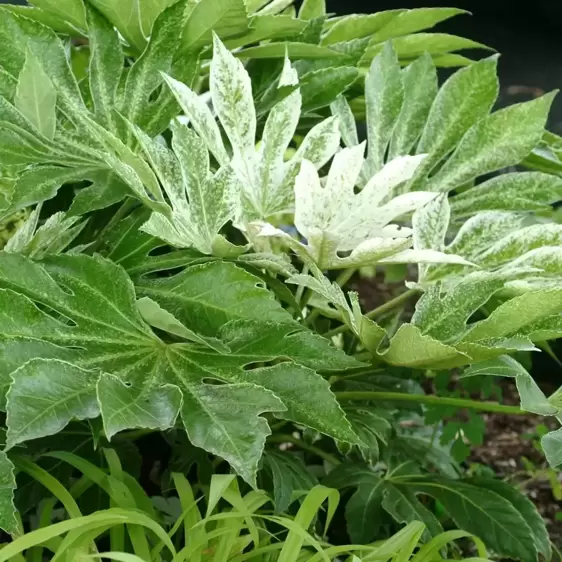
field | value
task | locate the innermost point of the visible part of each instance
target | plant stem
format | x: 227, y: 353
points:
x: 483, y: 406
x: 287, y: 438
x: 393, y: 303
x: 345, y: 276
x: 379, y: 311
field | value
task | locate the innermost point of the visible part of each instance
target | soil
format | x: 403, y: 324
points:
x: 503, y: 451
x: 509, y: 448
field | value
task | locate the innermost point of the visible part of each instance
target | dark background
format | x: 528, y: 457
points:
x: 527, y: 34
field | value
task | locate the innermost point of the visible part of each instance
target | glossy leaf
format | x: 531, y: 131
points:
x: 484, y: 513
x: 401, y: 503
x: 147, y: 379
x: 66, y: 393
x: 289, y: 475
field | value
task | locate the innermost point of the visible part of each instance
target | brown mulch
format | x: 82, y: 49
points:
x: 503, y: 451
x: 505, y: 447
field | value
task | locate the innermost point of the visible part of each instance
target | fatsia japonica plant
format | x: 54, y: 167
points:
x: 197, y: 198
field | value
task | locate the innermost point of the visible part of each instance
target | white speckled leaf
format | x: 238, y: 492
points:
x: 335, y: 219
x: 430, y: 224
x: 519, y: 242
x: 342, y: 111
x: 520, y: 191
x: 200, y: 117
x: 500, y: 140
x: 384, y: 95
x: 277, y: 134
x: 476, y: 236
x: 231, y: 92
x: 514, y: 315
x: 467, y: 96
x: 420, y: 89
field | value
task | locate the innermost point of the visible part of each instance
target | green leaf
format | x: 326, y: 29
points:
x: 293, y: 49
x: 267, y: 27
x: 311, y: 9
x: 186, y: 296
x: 402, y: 504
x: 321, y: 87
x: 370, y: 428
x: 384, y: 95
x: 514, y: 315
x: 551, y: 444
x: 8, y: 520
x: 105, y: 190
x: 340, y: 109
x: 38, y: 184
x: 500, y: 140
x: 36, y: 97
x: 356, y: 26
x: 68, y: 10
x: 126, y: 17
x: 466, y: 97
x: 289, y: 475
x: 225, y: 17
x: 154, y: 315
x: 444, y: 316
x: 146, y: 379
x: 484, y: 513
x: 413, y: 46
x: 307, y: 396
x: 363, y: 511
x: 45, y: 396
x: 145, y: 74
x: 420, y: 89
x: 521, y: 191
x: 106, y: 67
x: 27, y: 36
x: 410, y: 347
x: 525, y: 507
x: 410, y: 21
x: 532, y: 397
